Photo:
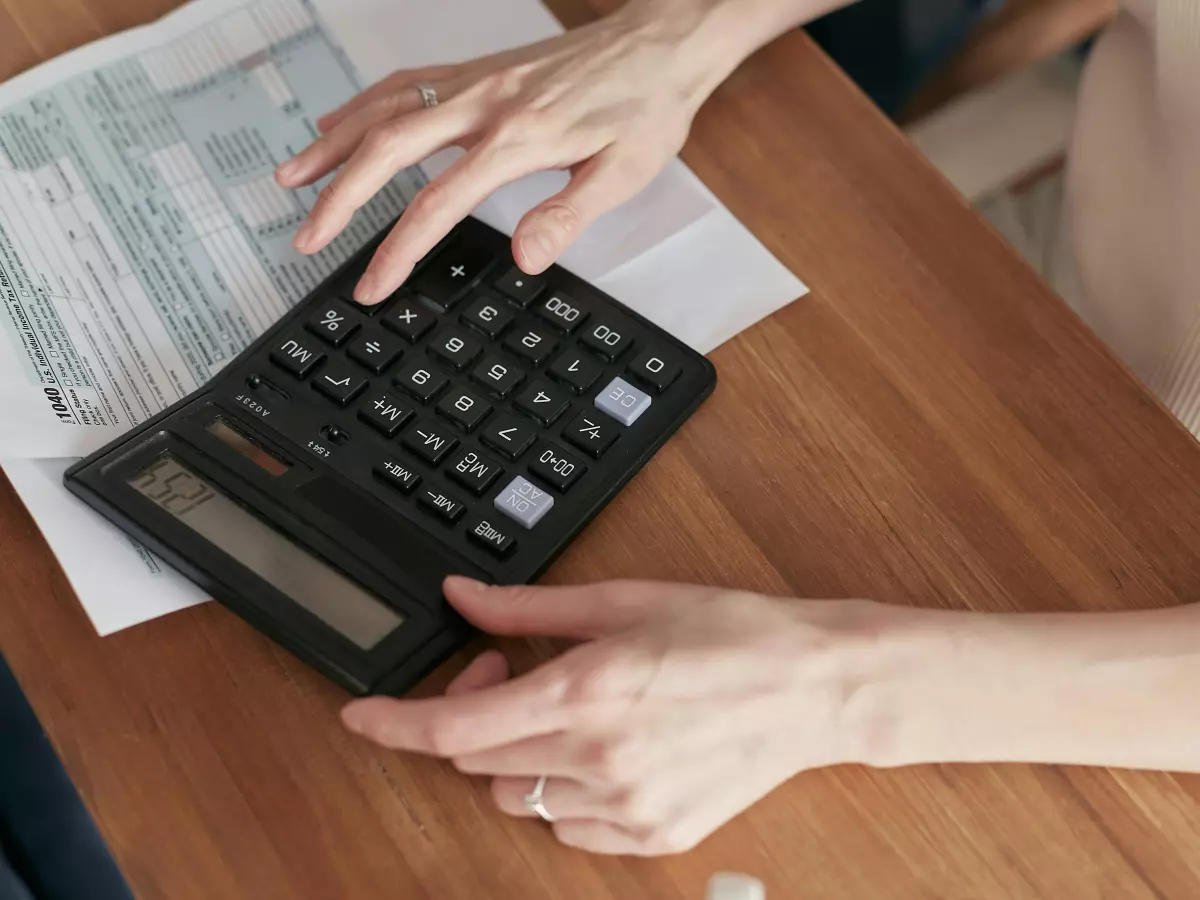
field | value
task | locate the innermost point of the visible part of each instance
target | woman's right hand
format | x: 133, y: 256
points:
x: 612, y: 102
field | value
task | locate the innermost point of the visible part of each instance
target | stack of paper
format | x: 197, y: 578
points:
x: 144, y: 242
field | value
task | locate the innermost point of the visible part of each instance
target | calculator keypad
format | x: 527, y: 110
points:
x: 484, y: 396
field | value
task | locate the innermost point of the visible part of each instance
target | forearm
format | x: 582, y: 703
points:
x: 1106, y: 689
x: 717, y: 35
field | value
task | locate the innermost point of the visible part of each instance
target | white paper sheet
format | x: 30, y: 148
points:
x: 674, y: 252
x: 119, y: 582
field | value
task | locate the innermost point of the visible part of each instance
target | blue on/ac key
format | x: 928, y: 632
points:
x: 622, y: 401
x: 523, y: 501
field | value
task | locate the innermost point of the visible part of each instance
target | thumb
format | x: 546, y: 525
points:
x: 578, y: 611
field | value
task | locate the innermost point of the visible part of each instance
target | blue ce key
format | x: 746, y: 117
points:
x: 622, y: 401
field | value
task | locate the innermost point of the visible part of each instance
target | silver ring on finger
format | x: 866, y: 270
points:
x: 428, y: 94
x: 533, y: 801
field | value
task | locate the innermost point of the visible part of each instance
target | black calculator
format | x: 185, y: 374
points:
x: 327, y: 479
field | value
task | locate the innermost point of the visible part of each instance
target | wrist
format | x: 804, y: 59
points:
x: 1109, y: 689
x: 711, y: 38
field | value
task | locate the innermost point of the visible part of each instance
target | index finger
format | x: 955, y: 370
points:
x: 436, y: 209
x: 469, y: 723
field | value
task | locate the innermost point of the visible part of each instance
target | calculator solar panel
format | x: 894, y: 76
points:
x: 326, y: 480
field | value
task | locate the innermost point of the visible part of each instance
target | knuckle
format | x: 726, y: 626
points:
x: 428, y: 200
x: 594, y: 681
x: 329, y: 195
x: 503, y: 83
x: 637, y: 808
x: 523, y: 125
x: 609, y: 761
x: 445, y: 736
x: 673, y: 837
x: 563, y: 216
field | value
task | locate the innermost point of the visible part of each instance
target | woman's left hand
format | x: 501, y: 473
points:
x: 683, y: 705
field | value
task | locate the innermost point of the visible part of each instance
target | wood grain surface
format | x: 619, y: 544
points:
x: 931, y: 426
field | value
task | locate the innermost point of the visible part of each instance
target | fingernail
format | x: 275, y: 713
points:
x: 464, y: 584
x: 353, y: 719
x: 303, y: 237
x: 537, y: 248
x: 366, y: 289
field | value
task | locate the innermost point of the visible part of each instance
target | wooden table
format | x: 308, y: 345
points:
x: 931, y: 426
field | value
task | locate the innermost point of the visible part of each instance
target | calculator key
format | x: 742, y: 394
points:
x: 384, y: 413
x: 464, y: 409
x: 524, y: 502
x: 531, y: 344
x: 610, y: 341
x: 622, y: 401
x: 591, y: 433
x: 562, y: 311
x: 375, y: 350
x: 489, y: 315
x: 297, y: 354
x: 544, y: 401
x: 518, y: 287
x: 397, y: 474
x: 339, y: 382
x: 497, y: 375
x: 332, y: 322
x: 456, y: 348
x: 556, y: 466
x: 493, y: 536
x: 441, y: 504
x: 451, y: 273
x: 473, y: 470
x: 657, y: 371
x: 576, y: 370
x: 429, y: 441
x: 508, y: 435
x: 409, y: 320
x: 422, y: 381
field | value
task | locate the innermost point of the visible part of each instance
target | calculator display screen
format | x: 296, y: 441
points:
x: 303, y: 578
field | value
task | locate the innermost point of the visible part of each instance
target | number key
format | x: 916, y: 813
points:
x: 508, y: 436
x: 498, y: 376
x: 654, y: 370
x: 456, y: 348
x: 421, y: 381
x: 531, y: 344
x: 488, y: 315
x: 609, y: 340
x: 556, y: 466
x: 463, y: 408
x: 562, y: 311
x: 574, y: 369
x: 333, y: 323
x: 543, y: 401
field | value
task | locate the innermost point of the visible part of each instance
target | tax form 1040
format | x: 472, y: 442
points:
x: 143, y: 239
